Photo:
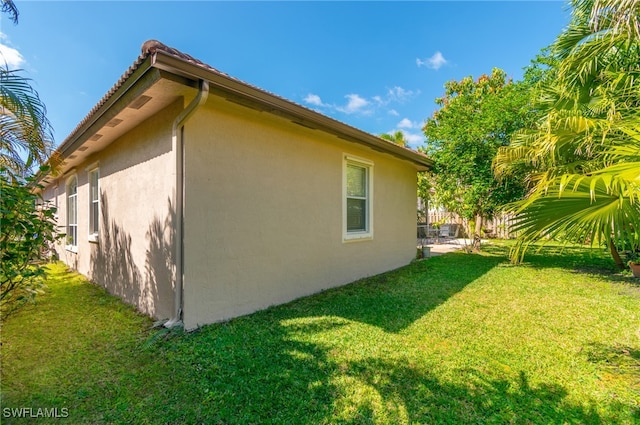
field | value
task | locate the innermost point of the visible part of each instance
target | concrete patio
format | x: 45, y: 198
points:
x: 444, y: 246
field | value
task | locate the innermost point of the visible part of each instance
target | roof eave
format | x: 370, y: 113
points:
x: 259, y: 99
x: 113, y: 103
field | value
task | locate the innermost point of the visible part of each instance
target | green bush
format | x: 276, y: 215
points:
x: 27, y: 226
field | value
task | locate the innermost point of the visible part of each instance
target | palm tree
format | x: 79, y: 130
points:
x: 25, y: 133
x: 9, y: 7
x: 397, y: 138
x: 585, y: 152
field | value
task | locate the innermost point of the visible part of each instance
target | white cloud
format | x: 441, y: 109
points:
x: 398, y: 94
x: 405, y: 123
x: 8, y: 55
x: 413, y: 139
x: 434, y: 62
x: 355, y: 104
x: 313, y: 99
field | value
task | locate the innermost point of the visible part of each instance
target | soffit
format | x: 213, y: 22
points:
x: 143, y: 103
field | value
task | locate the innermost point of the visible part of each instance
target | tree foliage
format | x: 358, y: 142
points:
x: 475, y: 118
x: 397, y: 138
x: 585, y: 150
x: 27, y: 225
x: 26, y: 138
x: 28, y: 228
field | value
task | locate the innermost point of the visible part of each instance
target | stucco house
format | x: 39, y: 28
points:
x: 198, y: 197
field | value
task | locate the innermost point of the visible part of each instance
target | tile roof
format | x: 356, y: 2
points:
x: 151, y: 47
x: 105, y: 98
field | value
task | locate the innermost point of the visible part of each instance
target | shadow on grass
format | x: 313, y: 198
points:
x: 620, y: 363
x: 270, y: 367
x: 418, y: 396
x: 241, y: 372
x: 280, y: 366
x: 580, y: 259
x: 394, y: 300
x: 618, y: 356
x: 576, y: 259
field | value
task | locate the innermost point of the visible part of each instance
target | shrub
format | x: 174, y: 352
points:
x: 28, y: 232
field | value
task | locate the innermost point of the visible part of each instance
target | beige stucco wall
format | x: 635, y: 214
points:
x: 133, y: 257
x: 263, y: 213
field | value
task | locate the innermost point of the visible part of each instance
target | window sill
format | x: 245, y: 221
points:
x: 358, y: 237
x: 71, y: 248
x: 93, y: 238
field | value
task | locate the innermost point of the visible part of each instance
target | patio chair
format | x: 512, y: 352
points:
x: 448, y: 233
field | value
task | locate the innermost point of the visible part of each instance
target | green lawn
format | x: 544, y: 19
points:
x: 457, y: 339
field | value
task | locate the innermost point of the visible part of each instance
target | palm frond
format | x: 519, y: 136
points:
x: 592, y: 209
x: 585, y: 151
x: 9, y: 7
x: 26, y: 137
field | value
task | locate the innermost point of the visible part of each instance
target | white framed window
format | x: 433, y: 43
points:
x: 357, y: 199
x: 94, y: 204
x: 72, y: 213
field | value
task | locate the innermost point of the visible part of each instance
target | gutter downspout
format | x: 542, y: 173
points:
x: 177, y: 142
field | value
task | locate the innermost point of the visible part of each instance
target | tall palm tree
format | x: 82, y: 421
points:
x: 585, y: 152
x: 26, y: 137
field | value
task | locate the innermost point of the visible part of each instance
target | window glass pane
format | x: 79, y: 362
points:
x: 73, y: 187
x: 356, y: 215
x: 94, y: 218
x: 356, y: 181
x: 72, y: 210
x: 94, y: 194
x: 94, y: 185
x: 72, y: 235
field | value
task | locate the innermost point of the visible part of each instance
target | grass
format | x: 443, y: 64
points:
x: 453, y: 339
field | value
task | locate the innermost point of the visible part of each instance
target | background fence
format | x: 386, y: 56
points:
x: 498, y: 227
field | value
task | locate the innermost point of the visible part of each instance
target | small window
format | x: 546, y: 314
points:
x: 72, y: 213
x: 94, y: 204
x: 357, y: 212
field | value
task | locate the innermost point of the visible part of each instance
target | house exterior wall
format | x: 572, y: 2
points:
x: 133, y: 257
x: 264, y: 215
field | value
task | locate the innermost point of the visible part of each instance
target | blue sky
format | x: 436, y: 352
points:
x: 375, y: 65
